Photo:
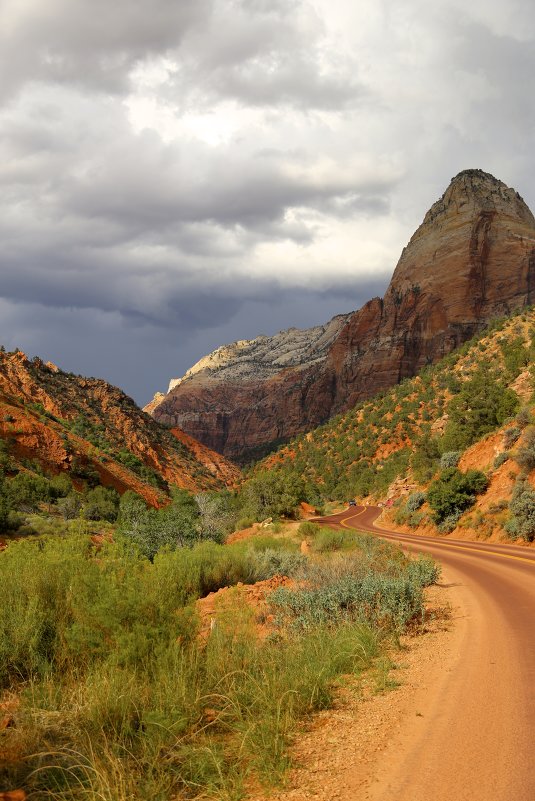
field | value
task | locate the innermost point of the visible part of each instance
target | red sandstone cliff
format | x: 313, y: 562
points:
x: 70, y: 424
x: 472, y: 259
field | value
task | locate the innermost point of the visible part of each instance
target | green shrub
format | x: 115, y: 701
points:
x: 271, y: 563
x: 327, y: 539
x: 453, y: 492
x: 525, y: 456
x: 500, y: 459
x: 523, y: 418
x: 450, y: 459
x: 101, y: 504
x: 380, y: 587
x: 522, y: 508
x: 25, y: 492
x: 414, y: 501
x: 449, y: 522
x: 373, y: 598
x: 415, y: 519
x: 510, y: 436
x: 175, y: 526
x: 273, y: 494
x: 307, y: 529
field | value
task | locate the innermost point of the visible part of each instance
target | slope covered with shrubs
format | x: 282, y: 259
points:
x: 419, y: 435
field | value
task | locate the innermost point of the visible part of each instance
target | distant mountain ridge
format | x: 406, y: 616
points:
x: 471, y: 259
x: 82, y: 427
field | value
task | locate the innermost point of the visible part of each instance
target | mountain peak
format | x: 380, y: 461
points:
x: 472, y: 259
x: 479, y: 175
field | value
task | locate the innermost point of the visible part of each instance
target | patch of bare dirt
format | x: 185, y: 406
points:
x: 254, y: 596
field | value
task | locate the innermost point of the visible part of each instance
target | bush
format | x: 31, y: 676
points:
x: 26, y: 492
x: 414, y: 501
x: 522, y: 508
x: 355, y: 595
x: 271, y: 563
x: 4, y: 505
x: 523, y: 417
x: 175, y: 526
x: 453, y: 492
x: 101, y: 504
x: 71, y: 506
x: 449, y: 522
x: 510, y: 436
x: 327, y: 539
x: 307, y: 529
x: 525, y: 456
x: 500, y: 459
x: 415, y: 519
x: 450, y: 459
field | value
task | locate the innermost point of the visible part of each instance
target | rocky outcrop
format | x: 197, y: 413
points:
x: 77, y: 425
x: 471, y: 260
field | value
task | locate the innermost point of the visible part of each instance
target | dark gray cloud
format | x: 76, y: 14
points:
x: 89, y: 43
x: 175, y: 175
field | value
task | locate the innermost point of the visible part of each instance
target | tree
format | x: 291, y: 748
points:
x: 101, y: 504
x: 273, y: 494
x: 175, y: 526
x: 217, y: 514
x: 25, y: 491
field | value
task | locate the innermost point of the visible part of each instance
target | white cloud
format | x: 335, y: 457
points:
x: 231, y: 150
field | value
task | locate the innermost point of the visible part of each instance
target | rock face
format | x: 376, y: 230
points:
x: 70, y: 424
x: 472, y: 259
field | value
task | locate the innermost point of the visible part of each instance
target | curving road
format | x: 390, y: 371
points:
x: 479, y: 732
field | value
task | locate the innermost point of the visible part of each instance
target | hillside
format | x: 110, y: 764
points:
x: 92, y: 432
x: 472, y: 259
x: 471, y: 411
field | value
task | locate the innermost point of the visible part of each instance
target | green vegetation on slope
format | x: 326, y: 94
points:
x: 121, y: 699
x: 420, y: 429
x: 419, y: 424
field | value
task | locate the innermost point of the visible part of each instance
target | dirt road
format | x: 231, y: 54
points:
x: 475, y: 740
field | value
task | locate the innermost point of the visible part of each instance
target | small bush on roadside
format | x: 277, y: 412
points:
x: 449, y: 522
x: 327, y: 539
x: 522, y: 508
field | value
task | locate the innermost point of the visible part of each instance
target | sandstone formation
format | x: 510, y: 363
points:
x: 70, y: 424
x: 472, y: 259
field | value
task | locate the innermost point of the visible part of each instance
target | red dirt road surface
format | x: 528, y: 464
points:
x: 475, y: 740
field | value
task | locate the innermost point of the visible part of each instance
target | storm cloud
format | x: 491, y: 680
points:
x: 177, y: 175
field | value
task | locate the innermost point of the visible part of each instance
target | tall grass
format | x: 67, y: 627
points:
x: 120, y: 700
x: 195, y: 719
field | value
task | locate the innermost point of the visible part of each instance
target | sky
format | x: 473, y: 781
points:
x: 179, y: 174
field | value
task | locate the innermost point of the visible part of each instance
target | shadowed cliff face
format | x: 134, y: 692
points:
x: 472, y: 259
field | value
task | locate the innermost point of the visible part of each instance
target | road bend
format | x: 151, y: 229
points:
x: 476, y: 742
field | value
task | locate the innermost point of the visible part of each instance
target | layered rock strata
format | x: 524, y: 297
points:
x: 472, y: 259
x: 69, y: 423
